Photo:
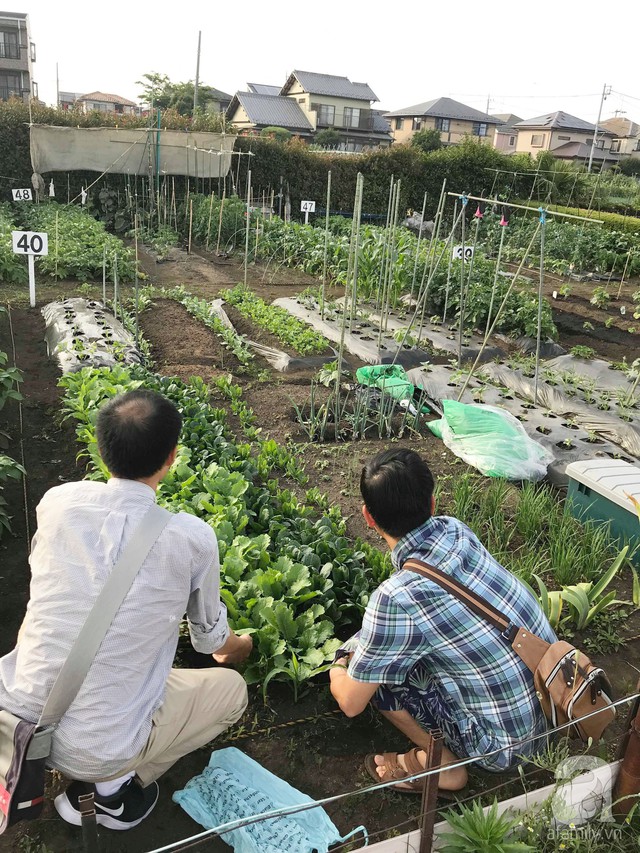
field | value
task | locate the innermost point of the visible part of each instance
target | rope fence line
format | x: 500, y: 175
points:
x: 229, y: 826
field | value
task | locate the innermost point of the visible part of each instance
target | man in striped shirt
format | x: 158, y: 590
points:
x: 423, y: 658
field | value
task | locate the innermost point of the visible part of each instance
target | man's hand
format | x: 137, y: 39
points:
x: 236, y: 649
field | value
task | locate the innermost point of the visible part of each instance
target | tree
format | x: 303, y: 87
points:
x: 280, y: 134
x: 160, y: 93
x: 427, y: 140
x: 630, y: 166
x: 328, y: 138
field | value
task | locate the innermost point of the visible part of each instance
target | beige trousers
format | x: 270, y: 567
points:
x: 198, y: 706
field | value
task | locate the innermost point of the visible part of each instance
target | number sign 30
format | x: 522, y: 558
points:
x: 30, y: 243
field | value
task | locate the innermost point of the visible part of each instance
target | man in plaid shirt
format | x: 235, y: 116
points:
x: 423, y: 658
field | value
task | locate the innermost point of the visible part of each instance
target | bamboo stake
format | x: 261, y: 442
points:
x: 209, y: 222
x: 137, y: 281
x: 534, y: 209
x: 326, y: 245
x: 224, y: 194
x: 498, y: 312
x: 495, y: 277
x: 415, y: 265
x: 190, y: 223
x: 248, y: 215
x: 624, y: 272
x: 115, y: 285
x: 543, y: 225
x: 57, y: 235
x: 446, y: 293
x: 104, y: 275
x: 383, y: 265
x: 435, y: 236
x: 383, y: 298
x: 464, y: 201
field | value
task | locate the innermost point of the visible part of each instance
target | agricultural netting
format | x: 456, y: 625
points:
x: 303, y: 246
x: 79, y: 245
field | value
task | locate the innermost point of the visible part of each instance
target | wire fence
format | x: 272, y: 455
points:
x: 230, y: 826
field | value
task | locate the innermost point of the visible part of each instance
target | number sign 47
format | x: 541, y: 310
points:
x: 30, y: 243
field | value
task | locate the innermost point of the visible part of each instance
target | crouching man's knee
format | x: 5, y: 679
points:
x: 234, y: 689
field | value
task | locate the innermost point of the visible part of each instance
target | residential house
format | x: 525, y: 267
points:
x: 67, y: 100
x: 626, y: 136
x: 322, y: 101
x: 17, y: 55
x: 454, y: 120
x: 566, y: 137
x: 505, y: 137
x: 103, y: 102
x: 251, y: 112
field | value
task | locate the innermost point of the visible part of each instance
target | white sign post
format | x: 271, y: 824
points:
x: 30, y: 243
x: 307, y: 207
x: 22, y: 195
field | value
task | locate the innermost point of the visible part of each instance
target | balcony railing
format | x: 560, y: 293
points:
x: 343, y: 118
x: 8, y: 50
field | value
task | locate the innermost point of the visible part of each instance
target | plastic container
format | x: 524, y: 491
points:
x: 598, y: 490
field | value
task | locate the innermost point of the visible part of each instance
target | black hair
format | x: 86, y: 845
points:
x: 136, y: 432
x: 397, y: 487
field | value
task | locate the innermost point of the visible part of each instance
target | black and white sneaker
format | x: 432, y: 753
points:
x: 123, y: 810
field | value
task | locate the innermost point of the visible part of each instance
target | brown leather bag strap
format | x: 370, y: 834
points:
x: 480, y: 606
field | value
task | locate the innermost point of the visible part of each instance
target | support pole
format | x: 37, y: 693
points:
x: 158, y: 163
x: 464, y: 200
x: 433, y: 755
x: 209, y: 222
x: 224, y: 193
x: 417, y: 257
x: 137, y: 289
x: 326, y: 244
x: 606, y: 90
x: 115, y: 285
x: 543, y: 225
x: 104, y: 275
x: 190, y: 223
x: 32, y: 280
x: 248, y: 215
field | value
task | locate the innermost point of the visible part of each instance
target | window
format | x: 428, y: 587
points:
x: 326, y: 113
x: 565, y: 138
x: 34, y: 89
x: 399, y: 123
x: 301, y: 100
x: 416, y: 123
x: 9, y: 46
x: 512, y: 141
x: 10, y: 86
x: 32, y: 52
x: 442, y: 124
x: 537, y: 140
x: 479, y: 128
x: 351, y: 117
x: 615, y: 146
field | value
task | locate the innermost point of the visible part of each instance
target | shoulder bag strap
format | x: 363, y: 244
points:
x: 528, y: 646
x: 118, y: 584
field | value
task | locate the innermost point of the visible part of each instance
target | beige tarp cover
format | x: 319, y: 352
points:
x: 130, y: 151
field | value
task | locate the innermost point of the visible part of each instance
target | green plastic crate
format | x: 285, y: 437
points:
x: 598, y: 490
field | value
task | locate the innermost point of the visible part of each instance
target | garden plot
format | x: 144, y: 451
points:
x: 82, y: 333
x: 564, y: 439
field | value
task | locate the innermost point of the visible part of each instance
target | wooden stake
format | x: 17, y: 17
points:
x: 190, y: 223
x: 224, y: 194
x: 248, y: 225
x: 209, y: 223
x: 326, y: 243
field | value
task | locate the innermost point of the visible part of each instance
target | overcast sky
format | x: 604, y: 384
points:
x: 528, y: 59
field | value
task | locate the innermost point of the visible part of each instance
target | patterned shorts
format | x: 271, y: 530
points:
x: 422, y: 696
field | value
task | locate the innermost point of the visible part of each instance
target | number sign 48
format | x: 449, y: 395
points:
x: 22, y: 195
x: 30, y: 243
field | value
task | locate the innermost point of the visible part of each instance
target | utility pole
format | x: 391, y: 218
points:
x: 57, y: 88
x: 606, y: 90
x: 197, y: 83
x: 488, y: 104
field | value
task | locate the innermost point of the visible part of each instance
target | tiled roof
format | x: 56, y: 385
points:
x: 445, y: 108
x: 509, y: 120
x: 263, y: 89
x: 270, y: 111
x: 622, y: 127
x: 581, y: 150
x: 331, y: 85
x: 106, y: 98
x: 557, y: 121
x: 380, y: 124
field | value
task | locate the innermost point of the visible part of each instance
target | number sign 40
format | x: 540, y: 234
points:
x: 30, y: 243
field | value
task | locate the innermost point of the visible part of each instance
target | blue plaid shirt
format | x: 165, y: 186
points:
x: 411, y: 620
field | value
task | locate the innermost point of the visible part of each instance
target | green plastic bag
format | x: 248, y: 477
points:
x: 491, y: 440
x: 390, y: 378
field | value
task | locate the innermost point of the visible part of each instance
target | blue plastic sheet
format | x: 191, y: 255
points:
x: 235, y: 786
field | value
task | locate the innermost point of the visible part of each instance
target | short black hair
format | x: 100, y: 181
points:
x: 397, y: 487
x: 136, y: 432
